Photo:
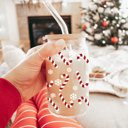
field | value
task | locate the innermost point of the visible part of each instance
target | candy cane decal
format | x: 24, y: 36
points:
x: 53, y: 62
x: 65, y: 82
x: 65, y: 103
x: 50, y: 84
x: 64, y: 60
x: 80, y: 80
x: 53, y: 104
x: 85, y: 100
x: 82, y: 56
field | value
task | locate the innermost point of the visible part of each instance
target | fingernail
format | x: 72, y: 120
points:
x: 60, y: 43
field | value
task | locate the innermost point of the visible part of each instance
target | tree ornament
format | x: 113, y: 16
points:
x: 114, y: 39
x: 84, y: 26
x: 113, y: 22
x: 108, y: 10
x: 107, y: 23
x: 100, y: 10
x: 115, y: 10
x: 123, y: 21
x: 106, y: 32
x: 104, y: 24
x: 98, y: 36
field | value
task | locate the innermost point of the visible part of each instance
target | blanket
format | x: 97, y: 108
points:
x: 114, y: 67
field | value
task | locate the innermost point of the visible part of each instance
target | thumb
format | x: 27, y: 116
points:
x: 48, y: 49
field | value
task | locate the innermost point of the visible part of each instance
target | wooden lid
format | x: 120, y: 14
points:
x: 64, y: 36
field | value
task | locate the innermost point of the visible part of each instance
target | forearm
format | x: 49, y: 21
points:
x: 10, y: 99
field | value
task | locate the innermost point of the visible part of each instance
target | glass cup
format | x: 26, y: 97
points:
x: 67, y: 75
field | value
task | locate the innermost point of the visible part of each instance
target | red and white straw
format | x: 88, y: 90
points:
x: 50, y: 84
x: 80, y: 80
x: 82, y: 56
x: 65, y: 82
x: 53, y: 104
x: 83, y: 99
x: 65, y: 103
x: 64, y: 59
x: 53, y: 62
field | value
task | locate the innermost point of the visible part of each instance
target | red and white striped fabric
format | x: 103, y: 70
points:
x: 26, y: 116
x: 35, y: 114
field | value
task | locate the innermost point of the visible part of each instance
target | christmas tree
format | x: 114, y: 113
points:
x: 104, y: 23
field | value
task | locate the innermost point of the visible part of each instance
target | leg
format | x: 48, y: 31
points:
x: 48, y: 120
x: 26, y: 116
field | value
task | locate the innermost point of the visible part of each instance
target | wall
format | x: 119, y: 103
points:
x: 23, y: 11
x: 3, y: 21
x: 85, y: 3
x: 8, y: 10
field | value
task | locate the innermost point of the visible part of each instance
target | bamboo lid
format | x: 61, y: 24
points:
x: 64, y: 36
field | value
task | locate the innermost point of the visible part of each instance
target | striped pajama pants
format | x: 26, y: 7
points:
x: 35, y: 114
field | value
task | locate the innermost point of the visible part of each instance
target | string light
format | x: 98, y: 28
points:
x: 116, y: 18
x: 103, y: 42
x: 118, y: 25
x: 123, y: 31
x: 105, y: 6
x: 104, y: 32
x: 105, y: 19
x: 95, y: 26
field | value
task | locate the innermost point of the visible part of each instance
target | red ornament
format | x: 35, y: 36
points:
x: 104, y: 24
x: 103, y: 3
x: 84, y: 26
x: 114, y: 39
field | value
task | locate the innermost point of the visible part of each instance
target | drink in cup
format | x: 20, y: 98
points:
x: 67, y: 76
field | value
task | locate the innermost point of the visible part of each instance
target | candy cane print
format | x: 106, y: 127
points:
x: 65, y: 82
x: 53, y: 104
x: 85, y: 100
x: 53, y: 62
x: 50, y: 84
x: 64, y: 101
x: 80, y: 80
x: 82, y: 56
x: 64, y: 60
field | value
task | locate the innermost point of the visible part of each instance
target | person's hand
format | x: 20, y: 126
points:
x: 29, y: 76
